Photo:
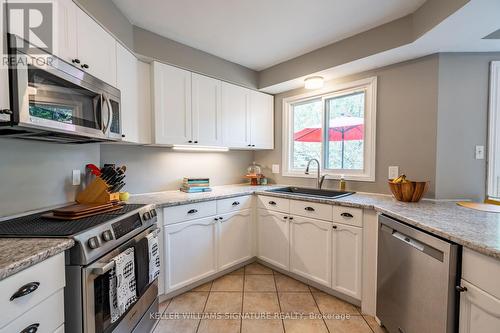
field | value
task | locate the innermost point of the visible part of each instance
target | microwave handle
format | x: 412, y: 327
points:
x: 108, y: 123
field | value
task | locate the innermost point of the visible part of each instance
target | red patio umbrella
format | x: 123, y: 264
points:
x: 341, y: 129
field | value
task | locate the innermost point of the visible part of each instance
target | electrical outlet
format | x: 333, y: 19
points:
x: 479, y: 152
x: 393, y: 172
x: 76, y: 177
x: 276, y: 168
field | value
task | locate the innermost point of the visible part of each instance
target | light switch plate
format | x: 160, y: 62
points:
x: 76, y: 177
x: 479, y: 152
x: 393, y: 171
x: 276, y: 168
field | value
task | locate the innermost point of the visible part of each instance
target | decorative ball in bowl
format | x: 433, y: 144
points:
x: 407, y: 190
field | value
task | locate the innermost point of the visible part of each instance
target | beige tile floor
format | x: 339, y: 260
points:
x: 256, y: 289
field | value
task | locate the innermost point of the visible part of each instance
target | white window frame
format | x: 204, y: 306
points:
x: 493, y: 132
x: 369, y: 86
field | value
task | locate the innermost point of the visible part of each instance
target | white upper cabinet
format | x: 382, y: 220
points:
x: 96, y: 49
x: 133, y: 80
x: 4, y: 73
x: 262, y: 120
x: 172, y: 105
x: 235, y: 116
x: 206, y: 110
x: 66, y: 30
x: 82, y: 42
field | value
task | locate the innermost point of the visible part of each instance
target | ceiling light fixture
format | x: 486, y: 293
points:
x: 199, y: 148
x: 314, y: 82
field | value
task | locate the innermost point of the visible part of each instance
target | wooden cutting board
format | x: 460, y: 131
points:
x: 81, y: 209
x: 51, y: 215
x: 480, y: 206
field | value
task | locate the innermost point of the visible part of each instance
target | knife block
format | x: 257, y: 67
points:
x: 97, y: 193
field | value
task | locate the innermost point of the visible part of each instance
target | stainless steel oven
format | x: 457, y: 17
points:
x: 52, y: 100
x: 96, y: 308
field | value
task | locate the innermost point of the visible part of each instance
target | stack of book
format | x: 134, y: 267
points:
x: 195, y: 185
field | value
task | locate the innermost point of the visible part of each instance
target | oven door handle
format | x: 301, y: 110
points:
x: 100, y: 268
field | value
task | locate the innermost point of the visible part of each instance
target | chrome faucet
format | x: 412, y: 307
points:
x: 320, y: 178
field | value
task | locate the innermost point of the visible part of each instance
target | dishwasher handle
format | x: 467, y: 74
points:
x: 408, y: 240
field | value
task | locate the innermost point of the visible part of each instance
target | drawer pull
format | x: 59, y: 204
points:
x: 347, y: 215
x: 31, y: 329
x: 334, y: 227
x: 192, y: 211
x: 236, y: 203
x: 272, y: 203
x: 25, y: 290
x: 310, y: 209
x: 461, y: 289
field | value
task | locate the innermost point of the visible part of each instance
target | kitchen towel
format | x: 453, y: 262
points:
x: 154, y: 256
x: 122, y: 285
x: 141, y: 249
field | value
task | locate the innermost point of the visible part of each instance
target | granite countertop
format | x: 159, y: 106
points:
x: 479, y: 231
x: 17, y: 254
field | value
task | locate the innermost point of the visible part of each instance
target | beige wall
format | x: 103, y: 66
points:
x: 152, y: 169
x: 406, y: 126
x: 462, y: 124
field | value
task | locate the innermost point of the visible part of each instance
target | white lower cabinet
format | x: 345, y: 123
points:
x: 347, y: 242
x: 311, y: 248
x: 273, y: 238
x: 235, y: 238
x: 479, y: 311
x: 190, y: 252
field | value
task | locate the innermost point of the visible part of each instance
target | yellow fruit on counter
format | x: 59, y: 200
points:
x: 400, y: 179
x: 124, y: 196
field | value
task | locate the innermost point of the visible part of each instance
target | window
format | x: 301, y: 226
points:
x: 336, y: 126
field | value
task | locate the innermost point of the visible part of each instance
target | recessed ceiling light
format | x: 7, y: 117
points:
x: 314, y: 82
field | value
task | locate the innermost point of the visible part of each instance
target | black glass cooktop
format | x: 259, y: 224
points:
x: 37, y: 226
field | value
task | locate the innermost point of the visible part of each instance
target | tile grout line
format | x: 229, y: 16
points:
x: 205, y: 305
x: 321, y: 312
x: 369, y: 326
x: 242, y: 300
x: 279, y: 302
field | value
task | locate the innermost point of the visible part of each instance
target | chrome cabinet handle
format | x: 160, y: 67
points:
x: 310, y: 209
x: 347, y: 215
x: 460, y: 289
x: 25, y: 290
x: 31, y: 329
x: 236, y: 203
x: 192, y: 211
x: 272, y: 203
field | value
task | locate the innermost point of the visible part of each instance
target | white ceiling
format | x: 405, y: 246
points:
x: 261, y: 33
x: 463, y: 31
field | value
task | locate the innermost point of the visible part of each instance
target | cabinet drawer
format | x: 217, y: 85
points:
x: 274, y: 203
x: 189, y: 212
x: 47, y: 316
x: 233, y: 204
x: 49, y: 275
x: 482, y: 271
x: 348, y: 215
x: 311, y: 209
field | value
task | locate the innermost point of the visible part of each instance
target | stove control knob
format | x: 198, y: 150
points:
x: 153, y: 213
x: 107, y: 235
x: 93, y: 242
x: 146, y: 216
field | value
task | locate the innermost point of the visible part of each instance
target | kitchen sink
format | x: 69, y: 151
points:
x: 312, y: 192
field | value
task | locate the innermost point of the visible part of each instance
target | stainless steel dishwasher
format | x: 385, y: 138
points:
x: 416, y: 279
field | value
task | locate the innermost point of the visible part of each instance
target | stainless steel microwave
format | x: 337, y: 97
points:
x: 52, y: 100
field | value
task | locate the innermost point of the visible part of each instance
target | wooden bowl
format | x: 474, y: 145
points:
x: 409, y: 191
